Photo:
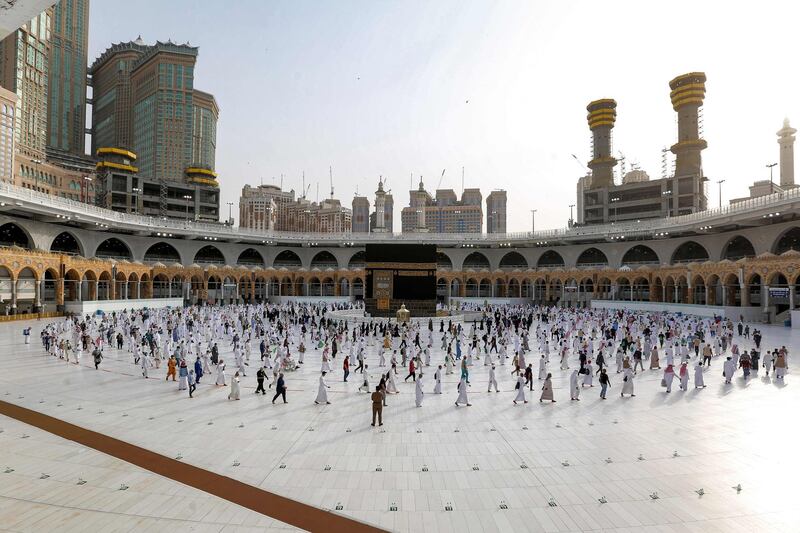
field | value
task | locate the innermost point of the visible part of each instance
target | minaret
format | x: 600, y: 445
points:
x: 786, y: 142
x: 601, y: 118
x: 380, y: 209
x: 420, y: 206
x: 687, y: 94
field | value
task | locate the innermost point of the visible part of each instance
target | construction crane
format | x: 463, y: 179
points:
x: 440, y: 179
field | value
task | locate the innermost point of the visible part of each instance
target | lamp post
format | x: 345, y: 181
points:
x: 570, y: 214
x: 720, y: 182
x: 36, y: 162
x: 533, y: 220
x: 187, y: 197
x: 136, y: 192
x: 771, y: 185
x: 614, y: 201
x: 666, y: 194
x: 230, y: 219
x: 86, y: 181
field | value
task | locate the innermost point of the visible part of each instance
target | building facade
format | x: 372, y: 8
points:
x: 8, y: 110
x: 496, y: 204
x: 443, y: 214
x: 601, y: 201
x: 66, y: 110
x: 268, y: 208
x: 24, y: 70
x: 145, y: 103
x: 361, y: 215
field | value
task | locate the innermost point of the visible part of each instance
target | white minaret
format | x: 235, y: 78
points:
x: 421, y: 208
x: 380, y: 209
x: 786, y: 143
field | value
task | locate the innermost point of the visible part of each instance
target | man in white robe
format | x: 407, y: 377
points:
x: 437, y: 376
x: 419, y: 392
x: 492, y: 380
x: 574, y: 388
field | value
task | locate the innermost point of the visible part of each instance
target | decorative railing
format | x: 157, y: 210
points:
x: 89, y: 214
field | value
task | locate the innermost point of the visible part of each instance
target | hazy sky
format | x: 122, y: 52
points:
x: 498, y: 87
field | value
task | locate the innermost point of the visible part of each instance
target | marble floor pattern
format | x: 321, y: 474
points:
x: 633, y: 464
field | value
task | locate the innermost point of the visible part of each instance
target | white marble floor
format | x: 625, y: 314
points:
x: 490, y: 467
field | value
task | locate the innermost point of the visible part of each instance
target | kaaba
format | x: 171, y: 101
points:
x: 398, y: 274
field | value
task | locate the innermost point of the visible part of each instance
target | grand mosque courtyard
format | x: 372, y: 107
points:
x: 715, y: 459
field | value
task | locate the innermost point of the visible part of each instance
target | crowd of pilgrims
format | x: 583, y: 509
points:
x: 526, y: 340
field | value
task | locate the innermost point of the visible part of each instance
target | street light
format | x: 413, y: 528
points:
x: 614, y: 201
x: 136, y: 191
x: 87, y: 180
x: 771, y: 186
x: 36, y: 162
x: 720, y: 182
x: 230, y: 206
x: 533, y: 220
x: 570, y: 213
x: 187, y: 197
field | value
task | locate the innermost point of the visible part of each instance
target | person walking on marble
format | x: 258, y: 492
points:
x: 462, y: 393
x: 322, y: 391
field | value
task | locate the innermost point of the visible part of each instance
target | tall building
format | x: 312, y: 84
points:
x: 24, y: 68
x: 268, y: 208
x: 381, y: 219
x: 145, y: 104
x: 264, y: 207
x: 361, y: 214
x: 8, y: 109
x: 443, y: 214
x: 496, y: 212
x: 66, y: 110
x: 601, y: 201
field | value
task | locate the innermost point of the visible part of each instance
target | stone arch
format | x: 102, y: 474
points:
x: 12, y: 234
x: 753, y: 288
x: 327, y: 286
x: 455, y: 287
x: 287, y: 259
x: 500, y: 288
x: 441, y: 289
x: 209, y: 255
x: 443, y: 261
x: 550, y: 259
x: 788, y: 240
x: 689, y: 252
x: 640, y: 289
x: 162, y: 252
x: 358, y: 261
x: 526, y: 289
x: 592, y: 257
x: 250, y: 257
x: 513, y: 261
x: 66, y: 243
x: 732, y: 290
x: 540, y: 289
x: 50, y: 286
x: 113, y: 248
x: 485, y: 288
x: 602, y: 289
x: 161, y: 286
x: 344, y: 287
x: 514, y: 288
x: 324, y: 260
x: 25, y: 285
x: 471, y: 288
x: 738, y: 247
x: 698, y: 290
x: 314, y: 286
x: 286, y: 287
x: 358, y: 288
x: 476, y: 261
x: 640, y: 254
x: 713, y: 290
